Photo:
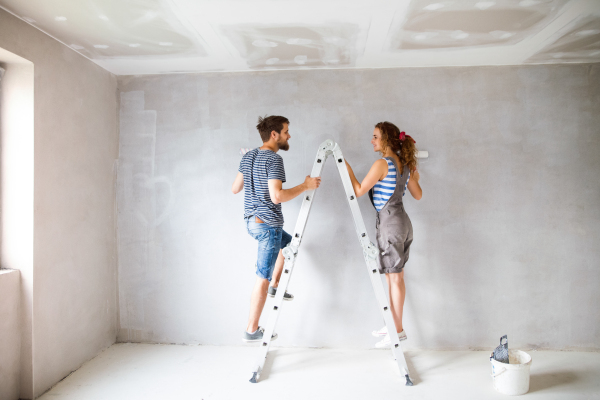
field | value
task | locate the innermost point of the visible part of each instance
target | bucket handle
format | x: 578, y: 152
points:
x: 499, y: 373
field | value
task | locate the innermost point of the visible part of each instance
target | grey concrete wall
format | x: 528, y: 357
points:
x: 505, y: 237
x: 74, y: 257
x: 10, y: 335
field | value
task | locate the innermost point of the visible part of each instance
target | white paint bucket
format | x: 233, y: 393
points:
x: 512, y: 378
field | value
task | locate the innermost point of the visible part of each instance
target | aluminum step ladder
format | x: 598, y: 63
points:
x: 290, y: 252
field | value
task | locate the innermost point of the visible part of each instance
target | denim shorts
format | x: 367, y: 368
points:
x: 270, y: 241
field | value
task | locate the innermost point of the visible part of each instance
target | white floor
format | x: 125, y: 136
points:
x: 146, y: 371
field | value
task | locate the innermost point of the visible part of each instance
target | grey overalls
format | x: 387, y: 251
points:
x: 394, y: 229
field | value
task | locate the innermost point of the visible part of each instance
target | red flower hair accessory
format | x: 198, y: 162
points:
x: 403, y: 136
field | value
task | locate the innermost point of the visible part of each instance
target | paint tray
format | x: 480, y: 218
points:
x: 501, y: 352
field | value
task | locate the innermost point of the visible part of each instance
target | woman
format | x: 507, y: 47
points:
x: 394, y: 231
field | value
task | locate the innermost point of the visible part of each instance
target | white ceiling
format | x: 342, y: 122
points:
x: 162, y: 36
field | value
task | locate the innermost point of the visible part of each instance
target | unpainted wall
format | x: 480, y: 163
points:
x: 10, y: 334
x: 505, y: 237
x: 74, y: 246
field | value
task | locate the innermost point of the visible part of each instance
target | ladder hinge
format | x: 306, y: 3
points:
x: 370, y: 250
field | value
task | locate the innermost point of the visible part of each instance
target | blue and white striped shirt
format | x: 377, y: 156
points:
x: 384, y: 189
x: 258, y: 166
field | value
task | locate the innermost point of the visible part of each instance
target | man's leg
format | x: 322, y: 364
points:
x: 269, y: 244
x: 286, y: 238
x: 257, y: 303
x: 278, y: 269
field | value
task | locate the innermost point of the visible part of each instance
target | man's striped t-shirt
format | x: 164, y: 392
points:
x: 258, y: 166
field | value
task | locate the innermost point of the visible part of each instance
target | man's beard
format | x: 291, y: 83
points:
x: 285, y: 146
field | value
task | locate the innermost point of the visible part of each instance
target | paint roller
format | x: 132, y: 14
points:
x: 420, y: 154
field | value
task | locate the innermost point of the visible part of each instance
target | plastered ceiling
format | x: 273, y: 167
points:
x: 130, y: 37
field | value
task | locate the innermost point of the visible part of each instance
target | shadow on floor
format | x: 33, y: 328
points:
x: 446, y: 359
x: 311, y: 359
x: 545, y: 381
x: 268, y: 365
x: 414, y: 375
x: 306, y: 360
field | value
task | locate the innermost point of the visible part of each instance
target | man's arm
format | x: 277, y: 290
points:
x: 279, y: 195
x: 238, y: 184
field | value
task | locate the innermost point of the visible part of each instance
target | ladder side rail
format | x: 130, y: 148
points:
x: 370, y: 252
x: 290, y: 253
x: 308, y: 196
x: 359, y: 224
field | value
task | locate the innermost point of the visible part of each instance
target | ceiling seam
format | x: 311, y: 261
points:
x: 58, y: 40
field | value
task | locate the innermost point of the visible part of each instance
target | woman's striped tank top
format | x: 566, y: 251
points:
x: 383, y: 190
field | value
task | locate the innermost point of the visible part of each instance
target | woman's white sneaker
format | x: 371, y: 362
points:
x: 381, y: 332
x: 386, y: 342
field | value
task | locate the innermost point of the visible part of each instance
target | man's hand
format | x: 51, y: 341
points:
x: 312, y: 183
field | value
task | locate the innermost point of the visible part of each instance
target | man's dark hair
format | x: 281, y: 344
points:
x: 267, y: 124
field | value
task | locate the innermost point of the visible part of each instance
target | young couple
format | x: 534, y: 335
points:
x: 261, y: 175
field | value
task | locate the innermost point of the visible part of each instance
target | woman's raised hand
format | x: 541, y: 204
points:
x: 415, y: 175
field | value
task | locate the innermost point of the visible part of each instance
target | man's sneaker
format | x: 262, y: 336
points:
x: 386, y: 342
x: 256, y: 336
x: 381, y: 332
x: 286, y: 295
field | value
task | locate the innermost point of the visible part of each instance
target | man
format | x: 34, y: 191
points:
x: 261, y: 175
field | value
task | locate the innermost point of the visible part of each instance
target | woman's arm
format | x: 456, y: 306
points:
x: 413, y: 185
x: 378, y: 171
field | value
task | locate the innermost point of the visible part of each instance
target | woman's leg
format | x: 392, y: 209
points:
x: 397, y: 294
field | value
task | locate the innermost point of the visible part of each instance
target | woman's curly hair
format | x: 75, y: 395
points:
x: 405, y: 149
